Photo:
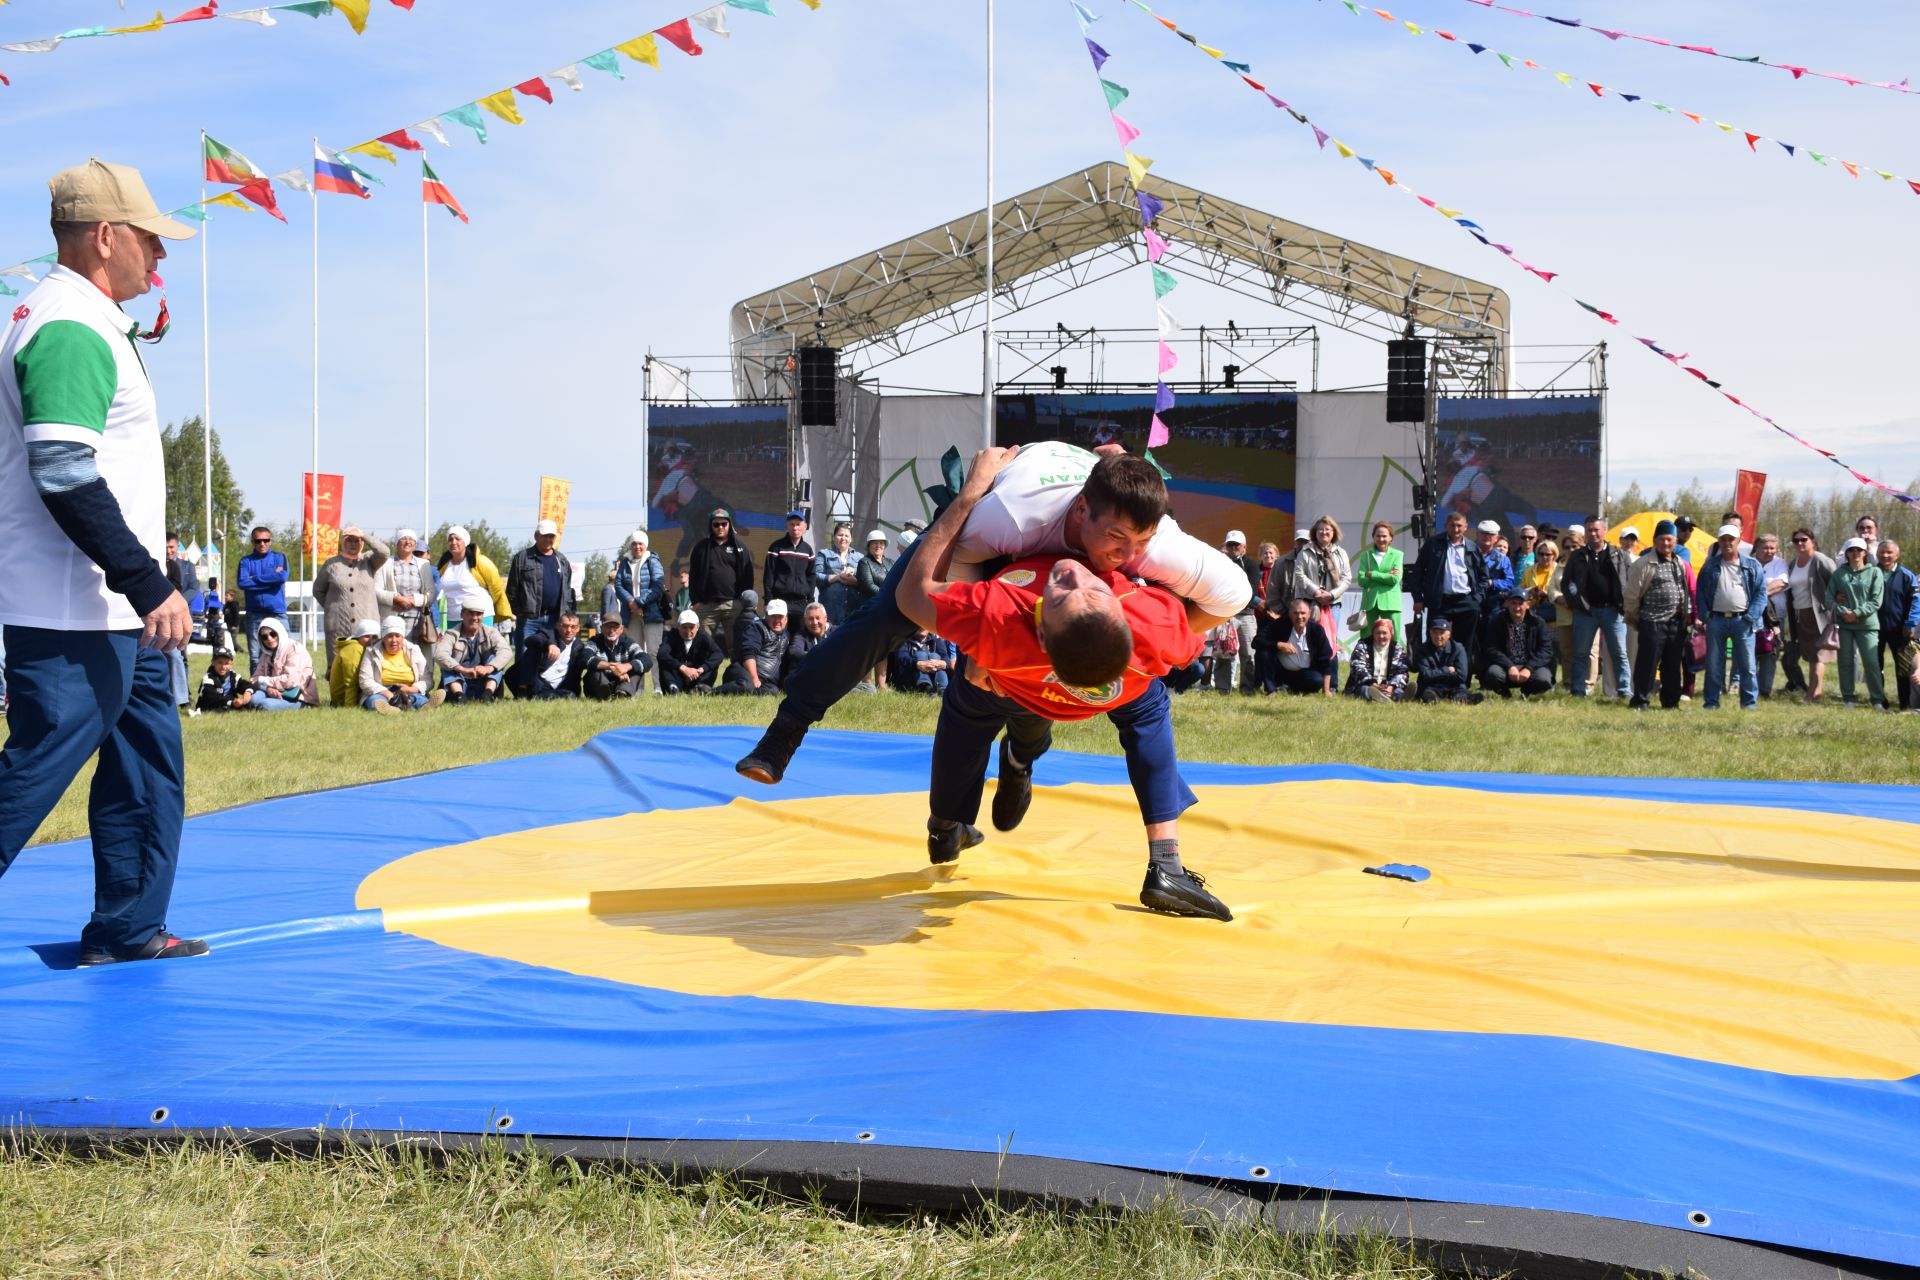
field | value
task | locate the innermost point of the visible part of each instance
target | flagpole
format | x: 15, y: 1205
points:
x: 313, y: 477
x: 206, y: 356
x: 426, y: 382
x: 987, y: 360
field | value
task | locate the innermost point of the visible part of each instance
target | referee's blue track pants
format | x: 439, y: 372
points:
x: 971, y: 718
x: 75, y: 693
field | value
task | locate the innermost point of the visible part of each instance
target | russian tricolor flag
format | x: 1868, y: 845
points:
x: 331, y: 173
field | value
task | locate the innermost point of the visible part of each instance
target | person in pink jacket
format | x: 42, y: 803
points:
x: 283, y: 679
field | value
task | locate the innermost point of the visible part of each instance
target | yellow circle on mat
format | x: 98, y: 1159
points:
x: 1766, y: 938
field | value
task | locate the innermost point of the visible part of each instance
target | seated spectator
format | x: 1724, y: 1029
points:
x: 555, y: 671
x: 813, y: 628
x: 922, y: 664
x: 1516, y: 651
x: 759, y: 649
x: 472, y: 657
x: 1441, y: 663
x: 222, y: 688
x: 393, y: 673
x: 343, y: 682
x: 1378, y: 669
x: 688, y: 657
x: 617, y: 664
x: 283, y: 677
x: 1303, y: 653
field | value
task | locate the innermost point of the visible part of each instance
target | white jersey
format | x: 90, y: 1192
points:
x: 1025, y: 514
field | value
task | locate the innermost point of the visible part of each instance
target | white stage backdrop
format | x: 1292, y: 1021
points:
x: 1355, y: 466
x: 914, y: 432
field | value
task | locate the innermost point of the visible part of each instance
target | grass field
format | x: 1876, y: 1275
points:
x: 209, y: 1212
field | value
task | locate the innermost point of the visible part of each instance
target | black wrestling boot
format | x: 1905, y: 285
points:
x: 1183, y: 893
x: 767, y: 762
x: 161, y: 946
x: 1013, y: 793
x: 946, y: 839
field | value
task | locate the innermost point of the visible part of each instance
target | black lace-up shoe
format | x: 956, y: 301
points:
x: 1014, y: 792
x: 767, y: 762
x: 945, y: 840
x: 1181, y: 894
x: 161, y: 946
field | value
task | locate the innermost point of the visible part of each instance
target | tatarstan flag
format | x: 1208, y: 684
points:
x: 434, y: 191
x: 224, y: 164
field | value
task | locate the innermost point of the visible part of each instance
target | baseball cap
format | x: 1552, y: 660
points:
x: 1488, y: 526
x: 1629, y: 534
x: 1439, y: 622
x: 796, y: 514
x: 1853, y: 544
x: 392, y: 626
x: 365, y: 629
x: 776, y: 608
x: 876, y: 535
x: 1301, y: 535
x: 720, y: 513
x: 1235, y: 535
x: 1517, y: 593
x: 100, y: 192
x: 546, y: 526
x: 223, y: 652
x: 688, y: 618
x: 1728, y: 531
x: 907, y: 538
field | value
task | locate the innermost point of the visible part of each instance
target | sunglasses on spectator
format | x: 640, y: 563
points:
x: 1800, y: 542
x: 259, y: 541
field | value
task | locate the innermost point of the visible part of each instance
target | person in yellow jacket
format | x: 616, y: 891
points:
x: 466, y: 575
x: 344, y: 679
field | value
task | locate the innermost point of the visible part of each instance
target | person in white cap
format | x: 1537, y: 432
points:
x: 688, y: 659
x: 540, y: 590
x: 1730, y: 595
x: 1245, y: 624
x: 470, y: 578
x: 1854, y: 594
x: 760, y: 649
x: 88, y: 610
x: 345, y: 586
x: 393, y: 673
x: 1500, y: 580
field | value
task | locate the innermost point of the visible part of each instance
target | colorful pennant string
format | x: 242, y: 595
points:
x: 354, y: 11
x: 1795, y: 70
x: 1164, y: 281
x: 1597, y: 91
x: 1242, y: 72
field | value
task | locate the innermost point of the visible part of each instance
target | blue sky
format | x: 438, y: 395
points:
x: 633, y: 215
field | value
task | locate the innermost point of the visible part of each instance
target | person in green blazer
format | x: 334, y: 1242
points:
x: 1853, y: 593
x: 1378, y: 571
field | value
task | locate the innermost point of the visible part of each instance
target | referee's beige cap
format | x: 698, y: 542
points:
x: 100, y: 192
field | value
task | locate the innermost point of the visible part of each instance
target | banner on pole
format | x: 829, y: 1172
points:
x: 320, y: 513
x: 1747, y: 488
x: 553, y: 501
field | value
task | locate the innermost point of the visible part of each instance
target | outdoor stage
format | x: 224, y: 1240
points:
x: 1625, y: 1022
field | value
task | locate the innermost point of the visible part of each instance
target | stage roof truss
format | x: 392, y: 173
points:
x: 1084, y: 228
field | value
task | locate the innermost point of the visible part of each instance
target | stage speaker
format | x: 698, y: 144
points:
x: 819, y: 394
x: 1407, y: 380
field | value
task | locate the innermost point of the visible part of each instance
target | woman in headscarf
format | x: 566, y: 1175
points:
x: 640, y: 581
x: 466, y: 575
x: 283, y: 676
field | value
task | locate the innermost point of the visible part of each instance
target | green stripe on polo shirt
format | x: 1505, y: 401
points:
x: 67, y: 376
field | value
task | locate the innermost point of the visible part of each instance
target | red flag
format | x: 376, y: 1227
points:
x: 1753, y: 140
x: 260, y: 191
x: 680, y: 36
x: 195, y: 15
x: 1747, y: 488
x: 404, y: 4
x: 400, y: 137
x: 536, y: 88
x: 320, y: 529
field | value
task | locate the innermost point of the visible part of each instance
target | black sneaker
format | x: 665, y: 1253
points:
x: 1014, y: 792
x: 945, y: 840
x: 767, y: 762
x: 161, y: 946
x: 1182, y: 894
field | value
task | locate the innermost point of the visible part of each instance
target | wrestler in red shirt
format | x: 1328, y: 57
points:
x: 1046, y: 639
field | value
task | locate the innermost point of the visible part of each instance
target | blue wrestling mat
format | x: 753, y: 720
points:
x: 1691, y: 1005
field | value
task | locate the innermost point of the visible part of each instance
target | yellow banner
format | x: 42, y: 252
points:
x: 553, y: 501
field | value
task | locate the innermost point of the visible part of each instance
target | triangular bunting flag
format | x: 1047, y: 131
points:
x: 1127, y: 133
x: 432, y: 129
x: 680, y: 36
x: 1157, y: 437
x: 1164, y: 281
x: 400, y: 138
x: 378, y: 149
x: 714, y: 19
x: 1116, y: 94
x: 535, y: 88
x: 1156, y: 245
x: 502, y: 104
x: 1098, y: 55
x: 1137, y: 166
x: 606, y: 60
x: 355, y: 12
x: 469, y: 116
x: 641, y: 49
x: 569, y: 76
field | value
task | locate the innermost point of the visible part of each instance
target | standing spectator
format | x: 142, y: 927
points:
x: 1660, y: 605
x: 183, y: 579
x: 222, y: 688
x: 1279, y: 593
x: 236, y: 624
x: 1811, y: 609
x: 1547, y: 589
x: 283, y: 678
x: 1855, y: 593
x: 789, y: 568
x: 1450, y: 579
x: 759, y: 648
x: 1303, y: 661
x: 393, y: 673
x: 1500, y: 580
x: 616, y: 664
x: 1683, y: 534
x: 1770, y: 643
x: 869, y: 576
x: 1595, y: 585
x: 347, y: 584
x: 1322, y: 574
x: 472, y: 658
x: 609, y: 599
x: 641, y: 583
x: 688, y: 658
x: 813, y: 628
x: 1379, y: 572
x: 1516, y: 656
x: 721, y: 572
x: 343, y: 681
x: 1739, y: 522
x: 262, y: 579
x: 540, y: 587
x: 1243, y: 624
x: 555, y: 670
x: 212, y: 608
x: 683, y: 589
x: 922, y: 663
x: 1441, y: 662
x: 1899, y: 619
x: 1525, y: 551
x: 406, y: 587
x: 834, y: 575
x: 1731, y: 595
x: 1377, y: 670
x: 469, y: 578
x: 1867, y: 529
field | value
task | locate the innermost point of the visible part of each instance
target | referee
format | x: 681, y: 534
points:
x: 88, y: 611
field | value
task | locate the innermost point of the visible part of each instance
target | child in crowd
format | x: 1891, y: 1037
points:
x: 223, y: 689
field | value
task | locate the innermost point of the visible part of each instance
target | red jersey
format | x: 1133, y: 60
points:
x: 994, y: 624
